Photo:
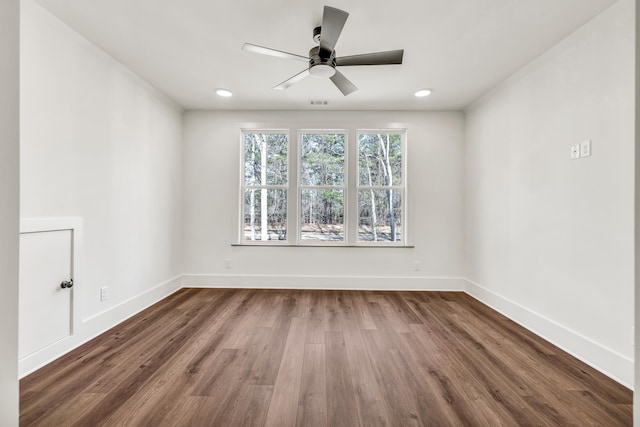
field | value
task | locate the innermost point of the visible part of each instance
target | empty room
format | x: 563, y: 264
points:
x: 318, y: 214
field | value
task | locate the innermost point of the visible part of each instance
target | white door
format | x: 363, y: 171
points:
x: 45, y: 307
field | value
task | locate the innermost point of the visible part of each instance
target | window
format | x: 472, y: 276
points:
x: 380, y: 187
x: 322, y: 165
x: 340, y: 193
x: 265, y: 186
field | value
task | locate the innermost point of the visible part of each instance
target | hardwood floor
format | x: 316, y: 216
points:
x: 225, y: 357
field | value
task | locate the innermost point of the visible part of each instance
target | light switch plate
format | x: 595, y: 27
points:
x: 575, y: 151
x: 585, y: 148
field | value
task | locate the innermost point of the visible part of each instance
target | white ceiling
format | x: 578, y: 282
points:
x: 459, y: 48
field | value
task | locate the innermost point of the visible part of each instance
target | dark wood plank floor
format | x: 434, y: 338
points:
x: 225, y: 357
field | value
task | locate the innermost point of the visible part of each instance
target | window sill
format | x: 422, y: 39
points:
x: 283, y: 245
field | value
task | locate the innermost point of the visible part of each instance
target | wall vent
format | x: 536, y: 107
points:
x: 318, y: 102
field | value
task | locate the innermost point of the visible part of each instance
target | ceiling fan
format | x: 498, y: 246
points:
x: 322, y: 59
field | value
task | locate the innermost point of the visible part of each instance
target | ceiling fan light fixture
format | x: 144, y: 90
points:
x: 226, y: 93
x: 322, y: 71
x: 421, y: 93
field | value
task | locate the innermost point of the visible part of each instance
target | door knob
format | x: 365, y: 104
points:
x: 66, y: 284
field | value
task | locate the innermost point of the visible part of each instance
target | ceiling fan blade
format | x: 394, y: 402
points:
x: 378, y: 58
x: 343, y: 83
x: 293, y: 80
x: 272, y: 52
x: 333, y: 21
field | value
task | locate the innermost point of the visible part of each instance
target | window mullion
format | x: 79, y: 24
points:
x: 351, y: 192
x: 293, y: 200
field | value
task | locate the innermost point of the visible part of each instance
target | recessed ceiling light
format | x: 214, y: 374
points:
x: 422, y: 93
x: 224, y: 92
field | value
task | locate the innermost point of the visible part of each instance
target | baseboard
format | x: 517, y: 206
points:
x: 95, y: 325
x: 394, y: 283
x: 605, y: 360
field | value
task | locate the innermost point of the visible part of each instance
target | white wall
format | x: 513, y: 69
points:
x: 550, y: 240
x: 100, y: 143
x: 9, y: 191
x: 211, y: 165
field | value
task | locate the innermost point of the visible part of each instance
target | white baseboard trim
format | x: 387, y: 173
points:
x: 95, y: 325
x: 603, y: 359
x: 392, y: 283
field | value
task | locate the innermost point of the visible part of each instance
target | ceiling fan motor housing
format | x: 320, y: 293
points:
x: 321, y: 67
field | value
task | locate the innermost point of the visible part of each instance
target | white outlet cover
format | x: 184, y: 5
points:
x: 585, y: 148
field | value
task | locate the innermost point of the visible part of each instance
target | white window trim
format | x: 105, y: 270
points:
x: 350, y: 188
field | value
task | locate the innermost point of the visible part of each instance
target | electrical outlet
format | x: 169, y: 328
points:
x: 416, y: 266
x: 585, y: 148
x: 104, y: 295
x: 227, y: 263
x: 575, y: 151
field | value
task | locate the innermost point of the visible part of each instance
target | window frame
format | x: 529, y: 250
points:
x: 403, y: 187
x: 300, y: 187
x: 243, y: 186
x: 351, y: 186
